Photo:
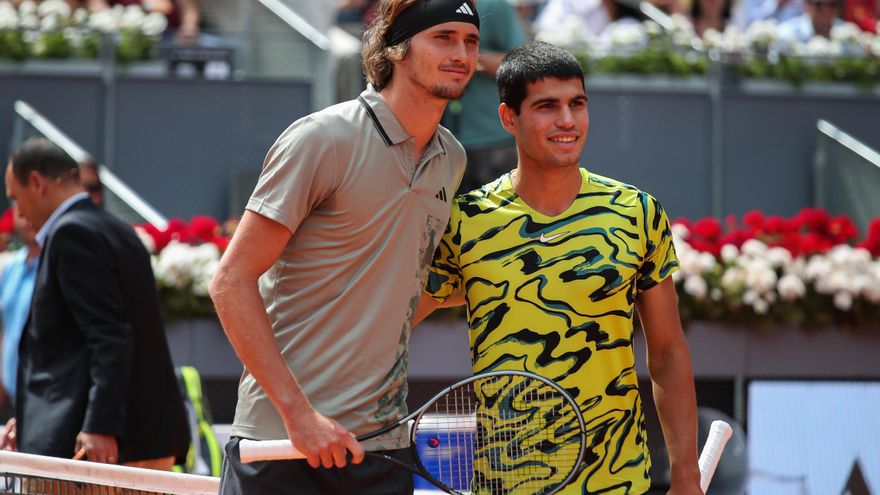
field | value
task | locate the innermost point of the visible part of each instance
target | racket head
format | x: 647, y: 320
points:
x: 499, y: 433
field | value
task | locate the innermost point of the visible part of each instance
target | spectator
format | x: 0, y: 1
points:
x: 749, y: 11
x: 710, y: 14
x: 818, y: 19
x: 90, y: 178
x: 862, y: 13
x: 16, y: 288
x: 593, y: 15
x: 474, y: 118
x: 94, y: 377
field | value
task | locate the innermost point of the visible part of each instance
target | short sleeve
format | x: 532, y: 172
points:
x: 444, y: 276
x: 299, y: 172
x: 660, y: 260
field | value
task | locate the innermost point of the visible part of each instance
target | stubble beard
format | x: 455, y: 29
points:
x: 447, y: 92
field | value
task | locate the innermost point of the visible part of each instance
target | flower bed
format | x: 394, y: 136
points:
x: 51, y: 30
x: 850, y: 55
x: 810, y: 270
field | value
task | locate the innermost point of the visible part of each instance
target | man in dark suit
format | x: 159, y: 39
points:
x: 95, y: 375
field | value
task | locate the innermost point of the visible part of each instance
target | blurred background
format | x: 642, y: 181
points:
x: 754, y: 122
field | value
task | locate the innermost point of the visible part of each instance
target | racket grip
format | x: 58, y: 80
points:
x: 267, y: 450
x: 719, y: 433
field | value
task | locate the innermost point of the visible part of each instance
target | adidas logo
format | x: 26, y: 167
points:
x: 441, y: 195
x: 466, y: 10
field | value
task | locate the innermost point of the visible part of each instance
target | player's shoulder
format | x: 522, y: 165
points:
x: 450, y: 144
x: 486, y: 198
x: 622, y: 193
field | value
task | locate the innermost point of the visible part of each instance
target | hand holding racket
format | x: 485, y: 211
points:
x: 500, y: 432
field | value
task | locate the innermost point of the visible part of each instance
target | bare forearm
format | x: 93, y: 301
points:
x: 247, y: 325
x: 673, y: 386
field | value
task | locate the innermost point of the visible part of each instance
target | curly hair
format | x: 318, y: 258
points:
x: 378, y: 57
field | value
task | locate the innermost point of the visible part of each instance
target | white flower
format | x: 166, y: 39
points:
x: 696, y: 286
x: 103, y: 21
x: 818, y: 46
x: 80, y: 16
x: 846, y: 33
x: 53, y: 8
x: 49, y: 23
x: 680, y: 230
x: 732, y: 278
x: 8, y: 16
x: 652, y: 29
x: 154, y: 24
x: 27, y: 8
x: 843, y: 301
x: 779, y: 257
x: 754, y: 247
x: 760, y: 277
x: 733, y: 40
x: 29, y: 22
x: 817, y: 268
x: 181, y: 265
x: 729, y: 253
x: 132, y: 18
x: 706, y: 262
x: 762, y: 34
x: 716, y: 294
x: 713, y: 39
x: 760, y: 306
x: 791, y: 287
x: 627, y: 35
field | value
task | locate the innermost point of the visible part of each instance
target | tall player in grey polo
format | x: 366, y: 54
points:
x: 318, y: 287
x: 367, y: 216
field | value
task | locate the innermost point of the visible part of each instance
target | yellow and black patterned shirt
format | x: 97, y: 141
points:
x: 556, y: 296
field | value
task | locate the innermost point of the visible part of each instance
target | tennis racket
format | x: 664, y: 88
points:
x: 498, y: 433
x: 719, y: 433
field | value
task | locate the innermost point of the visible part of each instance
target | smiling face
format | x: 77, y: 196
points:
x: 441, y: 60
x: 551, y: 128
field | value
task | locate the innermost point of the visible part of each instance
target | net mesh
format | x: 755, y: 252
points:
x: 502, y: 434
x: 27, y: 474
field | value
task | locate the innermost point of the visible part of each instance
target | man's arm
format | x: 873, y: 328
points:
x: 669, y: 363
x: 428, y: 304
x: 256, y: 245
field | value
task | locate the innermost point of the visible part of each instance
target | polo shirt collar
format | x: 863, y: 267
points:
x: 387, y: 124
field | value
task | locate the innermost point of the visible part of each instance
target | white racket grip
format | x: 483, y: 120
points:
x: 267, y: 450
x: 719, y: 433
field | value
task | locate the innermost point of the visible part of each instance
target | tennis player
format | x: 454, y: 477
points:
x: 319, y: 285
x: 553, y: 261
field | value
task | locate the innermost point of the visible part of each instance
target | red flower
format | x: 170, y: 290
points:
x: 843, y: 229
x: 707, y: 228
x: 754, y: 220
x: 813, y: 220
x: 7, y: 221
x: 203, y: 228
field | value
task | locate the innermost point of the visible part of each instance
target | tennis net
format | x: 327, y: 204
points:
x: 28, y: 474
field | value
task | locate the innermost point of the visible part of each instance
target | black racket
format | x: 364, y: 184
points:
x: 495, y: 433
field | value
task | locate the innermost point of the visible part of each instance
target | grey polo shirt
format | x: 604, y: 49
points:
x: 366, y: 215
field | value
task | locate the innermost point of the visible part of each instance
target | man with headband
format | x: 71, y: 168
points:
x: 318, y: 287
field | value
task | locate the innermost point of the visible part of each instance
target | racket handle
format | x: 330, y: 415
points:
x: 267, y: 450
x: 719, y: 433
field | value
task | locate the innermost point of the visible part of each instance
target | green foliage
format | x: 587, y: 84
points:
x: 861, y: 71
x: 133, y: 46
x: 54, y: 45
x: 12, y: 45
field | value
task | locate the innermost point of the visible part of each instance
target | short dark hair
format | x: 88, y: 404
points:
x: 42, y: 156
x: 530, y: 63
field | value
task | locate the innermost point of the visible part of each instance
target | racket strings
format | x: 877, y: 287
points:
x: 507, y: 434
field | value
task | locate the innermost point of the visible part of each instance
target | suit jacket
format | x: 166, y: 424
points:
x: 94, y: 356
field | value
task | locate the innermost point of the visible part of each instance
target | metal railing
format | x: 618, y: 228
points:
x: 121, y: 200
x: 847, y: 175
